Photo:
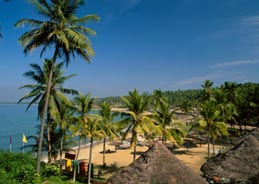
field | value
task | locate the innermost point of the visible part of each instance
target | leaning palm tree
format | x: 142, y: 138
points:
x: 138, y: 119
x: 61, y: 30
x: 108, y: 124
x: 39, y: 89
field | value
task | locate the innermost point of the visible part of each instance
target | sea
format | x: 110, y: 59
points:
x: 14, y: 122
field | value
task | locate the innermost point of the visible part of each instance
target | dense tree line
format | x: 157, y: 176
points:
x: 244, y: 96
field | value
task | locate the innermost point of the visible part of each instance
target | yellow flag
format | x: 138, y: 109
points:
x: 24, y: 140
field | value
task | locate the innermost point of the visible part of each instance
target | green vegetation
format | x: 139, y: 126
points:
x: 62, y: 31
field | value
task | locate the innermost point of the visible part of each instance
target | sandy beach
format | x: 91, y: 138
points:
x: 193, y: 157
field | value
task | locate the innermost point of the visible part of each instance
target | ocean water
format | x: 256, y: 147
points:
x: 14, y: 121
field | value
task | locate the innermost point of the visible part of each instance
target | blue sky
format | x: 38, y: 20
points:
x: 147, y: 45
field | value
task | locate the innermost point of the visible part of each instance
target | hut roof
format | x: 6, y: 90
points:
x: 157, y: 165
x: 239, y: 164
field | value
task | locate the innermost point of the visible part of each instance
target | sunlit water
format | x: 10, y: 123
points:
x: 14, y: 121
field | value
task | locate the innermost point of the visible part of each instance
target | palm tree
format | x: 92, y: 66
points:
x: 108, y: 124
x: 81, y: 107
x: 138, y: 118
x: 227, y: 109
x: 207, y: 90
x: 232, y: 95
x: 39, y: 90
x: 210, y: 116
x: 163, y: 116
x: 92, y: 130
x: 62, y: 118
x: 61, y: 30
x: 157, y: 97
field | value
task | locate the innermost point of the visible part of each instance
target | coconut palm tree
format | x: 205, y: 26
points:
x: 210, y: 115
x: 227, y: 109
x: 163, y: 116
x: 157, y: 97
x: 138, y: 120
x: 92, y: 130
x: 62, y: 117
x: 207, y: 90
x: 39, y: 89
x: 81, y: 106
x: 108, y: 124
x: 232, y: 96
x: 61, y: 30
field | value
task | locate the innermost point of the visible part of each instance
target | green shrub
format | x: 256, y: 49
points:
x: 52, y: 170
x: 17, y: 168
x: 28, y: 175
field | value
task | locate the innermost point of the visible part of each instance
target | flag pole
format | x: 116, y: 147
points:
x: 10, y: 145
x: 24, y: 140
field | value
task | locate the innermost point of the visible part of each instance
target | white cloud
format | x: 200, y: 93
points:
x: 197, y: 80
x: 234, y: 63
x: 251, y: 21
x: 217, y: 76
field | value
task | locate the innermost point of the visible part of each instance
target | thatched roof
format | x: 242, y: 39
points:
x: 157, y: 165
x: 239, y: 164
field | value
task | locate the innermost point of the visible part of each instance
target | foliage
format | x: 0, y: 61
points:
x: 52, y: 170
x: 163, y: 116
x: 28, y: 175
x: 65, y: 33
x: 17, y: 168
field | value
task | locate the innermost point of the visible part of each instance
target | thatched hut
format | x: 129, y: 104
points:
x: 239, y: 165
x: 157, y: 165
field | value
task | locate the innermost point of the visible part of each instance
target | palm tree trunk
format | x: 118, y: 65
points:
x: 90, y: 161
x: 104, y: 150
x: 213, y: 146
x: 77, y: 154
x: 240, y: 128
x: 45, y: 109
x: 43, y: 119
x: 208, y: 143
x: 49, y: 143
x: 60, y: 151
x: 134, y: 153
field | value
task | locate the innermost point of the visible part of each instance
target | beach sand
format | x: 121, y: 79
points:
x: 193, y: 157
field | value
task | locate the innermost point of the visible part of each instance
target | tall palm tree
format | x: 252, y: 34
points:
x: 81, y: 107
x: 61, y: 30
x: 210, y: 116
x: 39, y: 89
x: 92, y: 130
x: 108, y: 124
x: 138, y: 118
x: 232, y: 95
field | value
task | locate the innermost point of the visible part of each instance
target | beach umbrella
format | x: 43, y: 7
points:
x: 157, y: 165
x: 240, y: 164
